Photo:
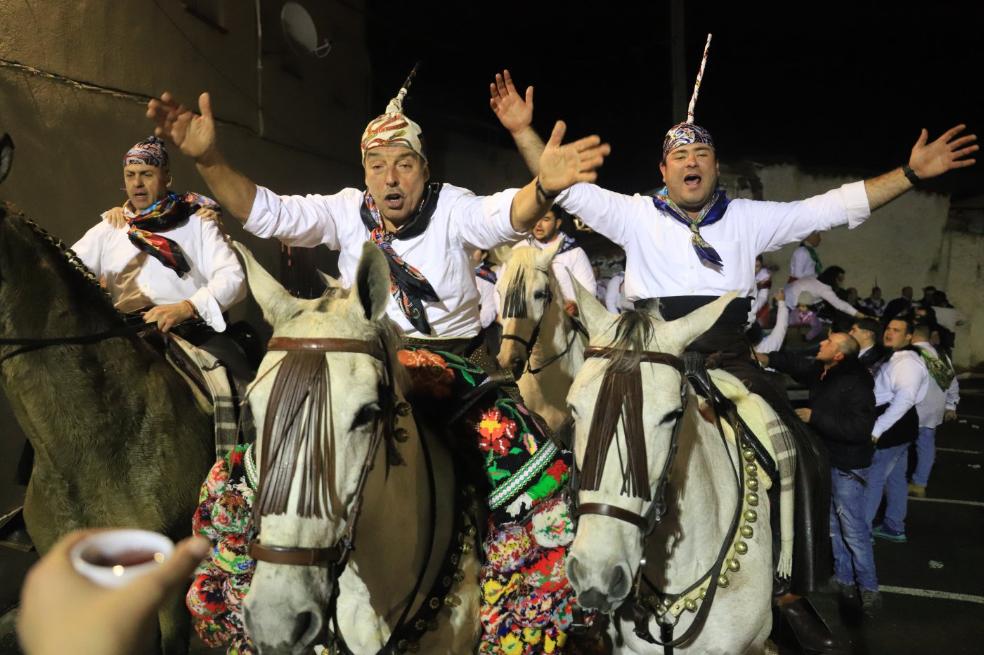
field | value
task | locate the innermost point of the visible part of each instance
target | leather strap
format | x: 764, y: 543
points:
x: 358, y: 346
x: 296, y: 556
x: 644, y: 356
x: 615, y: 512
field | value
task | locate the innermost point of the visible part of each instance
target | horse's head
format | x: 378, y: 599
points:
x: 625, y: 401
x: 526, y: 289
x: 323, y: 400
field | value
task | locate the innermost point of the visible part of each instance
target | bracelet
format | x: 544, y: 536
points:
x: 541, y: 194
x: 911, y: 175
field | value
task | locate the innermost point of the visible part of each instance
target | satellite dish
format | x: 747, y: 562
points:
x: 301, y: 32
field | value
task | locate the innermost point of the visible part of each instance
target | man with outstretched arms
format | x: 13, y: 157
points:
x: 689, y: 244
x: 427, y: 231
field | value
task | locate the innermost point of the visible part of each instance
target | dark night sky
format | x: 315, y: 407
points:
x: 832, y: 85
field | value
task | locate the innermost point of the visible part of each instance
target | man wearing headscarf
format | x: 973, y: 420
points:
x: 164, y: 260
x: 427, y: 231
x: 689, y: 244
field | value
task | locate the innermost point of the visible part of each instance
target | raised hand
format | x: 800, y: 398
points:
x: 564, y: 165
x: 513, y: 111
x: 944, y: 154
x: 194, y: 134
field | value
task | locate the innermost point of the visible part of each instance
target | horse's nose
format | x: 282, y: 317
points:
x: 594, y: 599
x: 619, y: 584
x: 608, y: 596
x: 306, y: 630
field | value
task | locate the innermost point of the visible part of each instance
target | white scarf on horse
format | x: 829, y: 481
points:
x: 764, y: 422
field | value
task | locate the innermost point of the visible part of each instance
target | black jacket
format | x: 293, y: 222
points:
x: 873, y: 356
x: 843, y: 404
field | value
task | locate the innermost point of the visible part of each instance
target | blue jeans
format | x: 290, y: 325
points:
x: 925, y: 455
x: 850, y: 531
x: 887, y: 476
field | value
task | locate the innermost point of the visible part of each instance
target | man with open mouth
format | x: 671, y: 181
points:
x: 689, y: 244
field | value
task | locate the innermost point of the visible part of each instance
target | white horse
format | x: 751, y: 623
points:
x: 349, y: 468
x: 539, y: 342
x: 713, y: 551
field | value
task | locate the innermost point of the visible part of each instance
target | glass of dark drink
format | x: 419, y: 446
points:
x: 113, y: 558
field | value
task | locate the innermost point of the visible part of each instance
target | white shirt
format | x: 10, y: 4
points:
x: 903, y: 382
x: 461, y: 222
x: 615, y: 301
x: 761, y: 294
x: 819, y: 289
x: 572, y: 262
x: 774, y: 341
x: 937, y: 401
x: 487, y: 301
x: 214, y: 283
x: 660, y: 260
x: 801, y: 264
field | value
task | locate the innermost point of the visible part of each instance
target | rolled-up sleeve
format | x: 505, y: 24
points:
x: 226, y: 281
x: 484, y: 221
x: 304, y: 221
x: 905, y: 379
x: 781, y: 223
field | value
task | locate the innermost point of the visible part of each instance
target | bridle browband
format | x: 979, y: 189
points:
x: 657, y: 508
x: 336, y: 555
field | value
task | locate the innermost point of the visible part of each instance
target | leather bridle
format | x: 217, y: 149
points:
x: 657, y: 508
x: 335, y: 556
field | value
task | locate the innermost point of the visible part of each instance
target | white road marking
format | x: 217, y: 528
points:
x: 948, y: 501
x: 960, y: 450
x: 929, y: 593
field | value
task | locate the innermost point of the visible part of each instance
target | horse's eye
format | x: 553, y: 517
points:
x: 672, y: 417
x: 367, y: 414
x: 540, y: 294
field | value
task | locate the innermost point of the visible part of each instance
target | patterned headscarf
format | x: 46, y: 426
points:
x: 393, y: 127
x: 151, y: 151
x: 688, y: 132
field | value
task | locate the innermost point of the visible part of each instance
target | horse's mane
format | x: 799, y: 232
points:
x: 633, y: 331
x: 89, y: 283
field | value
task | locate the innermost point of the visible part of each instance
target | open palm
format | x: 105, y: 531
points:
x: 194, y: 134
x: 513, y: 111
x: 564, y: 165
x: 944, y: 154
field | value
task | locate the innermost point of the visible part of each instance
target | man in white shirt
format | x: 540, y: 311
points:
x: 939, y: 405
x: 427, y: 230
x: 805, y: 261
x: 901, y: 383
x: 165, y: 259
x: 569, y: 260
x: 819, y: 291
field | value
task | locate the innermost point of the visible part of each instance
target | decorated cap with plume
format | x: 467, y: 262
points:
x: 688, y: 132
x: 393, y: 127
x: 151, y: 151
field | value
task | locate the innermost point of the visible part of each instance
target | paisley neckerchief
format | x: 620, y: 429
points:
x: 940, y: 369
x: 407, y: 285
x: 485, y: 272
x: 712, y: 212
x: 169, y: 212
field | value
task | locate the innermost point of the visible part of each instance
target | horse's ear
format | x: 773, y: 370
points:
x: 275, y: 301
x: 687, y: 328
x: 330, y: 282
x: 545, y: 256
x: 595, y: 318
x: 372, y: 282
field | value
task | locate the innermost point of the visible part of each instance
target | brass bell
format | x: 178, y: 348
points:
x: 452, y: 600
x: 751, y: 469
x: 733, y: 565
x: 741, y: 547
x: 703, y: 593
x: 723, y: 581
x: 752, y: 484
x: 749, y: 455
x: 750, y: 515
x: 403, y: 408
x: 691, y: 605
x: 459, y: 575
x: 747, y: 532
x: 401, y: 435
x: 752, y: 498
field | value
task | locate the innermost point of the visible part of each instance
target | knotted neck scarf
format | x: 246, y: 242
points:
x: 407, y: 285
x: 712, y: 212
x: 169, y: 212
x: 485, y: 272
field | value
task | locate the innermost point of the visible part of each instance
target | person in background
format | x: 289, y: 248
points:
x: 805, y: 261
x: 898, y: 306
x: 874, y: 304
x: 867, y: 331
x: 939, y: 405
